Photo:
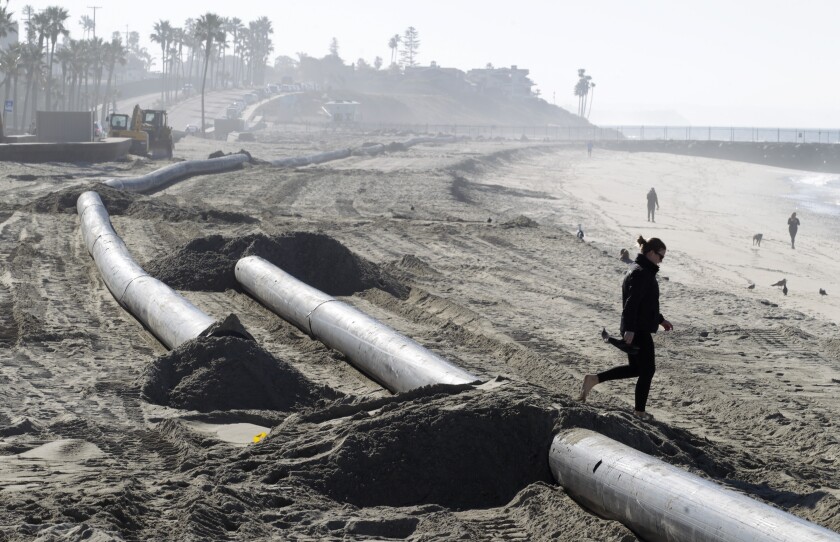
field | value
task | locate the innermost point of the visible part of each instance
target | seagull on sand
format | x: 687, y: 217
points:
x: 580, y: 233
x: 823, y: 292
x: 782, y: 282
x: 784, y: 289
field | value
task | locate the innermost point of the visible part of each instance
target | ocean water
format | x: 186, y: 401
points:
x: 816, y: 192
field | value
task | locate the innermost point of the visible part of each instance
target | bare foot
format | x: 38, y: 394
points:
x: 589, y: 382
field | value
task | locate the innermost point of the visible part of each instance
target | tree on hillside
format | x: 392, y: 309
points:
x: 591, y: 99
x: 208, y: 29
x: 394, y: 44
x: 377, y: 62
x: 334, y: 47
x: 411, y: 43
x: 582, y: 90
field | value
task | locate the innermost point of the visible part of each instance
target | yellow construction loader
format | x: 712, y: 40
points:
x: 148, y: 130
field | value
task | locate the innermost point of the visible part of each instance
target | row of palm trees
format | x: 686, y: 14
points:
x: 72, y: 72
x: 250, y: 47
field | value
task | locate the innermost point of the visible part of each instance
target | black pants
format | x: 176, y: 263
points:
x: 642, y: 365
x: 651, y: 210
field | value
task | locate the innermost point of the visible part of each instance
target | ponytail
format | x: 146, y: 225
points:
x: 654, y: 243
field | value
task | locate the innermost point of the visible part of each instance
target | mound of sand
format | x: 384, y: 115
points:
x: 475, y: 456
x: 119, y: 202
x: 208, y: 264
x: 520, y: 221
x: 227, y: 373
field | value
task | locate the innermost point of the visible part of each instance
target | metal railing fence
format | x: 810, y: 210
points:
x: 588, y: 133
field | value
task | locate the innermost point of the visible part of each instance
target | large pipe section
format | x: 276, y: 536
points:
x: 165, y: 175
x: 172, y: 318
x: 317, y: 158
x: 397, y: 362
x: 661, y: 502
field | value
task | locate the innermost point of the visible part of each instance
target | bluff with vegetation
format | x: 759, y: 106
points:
x: 421, y: 95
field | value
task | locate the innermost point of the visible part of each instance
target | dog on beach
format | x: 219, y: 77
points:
x: 757, y: 239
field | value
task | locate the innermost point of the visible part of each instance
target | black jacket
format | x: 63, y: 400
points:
x: 640, y: 297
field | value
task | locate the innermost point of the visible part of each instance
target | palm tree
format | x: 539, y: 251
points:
x: 87, y: 26
x: 38, y: 26
x: 235, y: 27
x: 582, y: 90
x: 162, y: 35
x: 76, y: 52
x: 56, y: 16
x: 113, y: 53
x: 179, y: 39
x: 394, y: 44
x: 62, y: 56
x: 261, y: 47
x: 7, y: 25
x: 208, y: 29
x: 591, y: 99
x: 10, y: 64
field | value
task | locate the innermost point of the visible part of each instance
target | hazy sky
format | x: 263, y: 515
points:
x: 718, y: 62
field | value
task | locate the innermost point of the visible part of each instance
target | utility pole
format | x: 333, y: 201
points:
x: 94, y: 8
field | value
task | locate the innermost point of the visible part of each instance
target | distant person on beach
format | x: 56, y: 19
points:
x: 589, y: 148
x: 793, y: 226
x: 653, y: 204
x: 640, y: 318
x: 624, y: 256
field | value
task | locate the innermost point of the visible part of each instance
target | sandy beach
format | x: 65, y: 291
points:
x: 467, y: 247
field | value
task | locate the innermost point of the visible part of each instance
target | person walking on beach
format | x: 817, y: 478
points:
x: 589, y: 148
x: 640, y: 318
x: 793, y: 226
x: 653, y: 204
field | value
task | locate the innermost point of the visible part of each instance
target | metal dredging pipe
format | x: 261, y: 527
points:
x: 661, y: 502
x: 165, y: 175
x: 168, y: 315
x: 397, y: 362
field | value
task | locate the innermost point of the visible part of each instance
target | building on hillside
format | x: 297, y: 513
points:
x: 342, y: 110
x: 510, y: 82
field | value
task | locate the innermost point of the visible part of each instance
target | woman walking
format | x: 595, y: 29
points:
x: 793, y: 226
x: 640, y: 318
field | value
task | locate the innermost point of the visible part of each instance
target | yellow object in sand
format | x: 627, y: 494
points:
x: 259, y: 436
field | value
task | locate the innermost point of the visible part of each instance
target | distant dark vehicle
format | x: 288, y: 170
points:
x: 191, y: 129
x: 232, y: 112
